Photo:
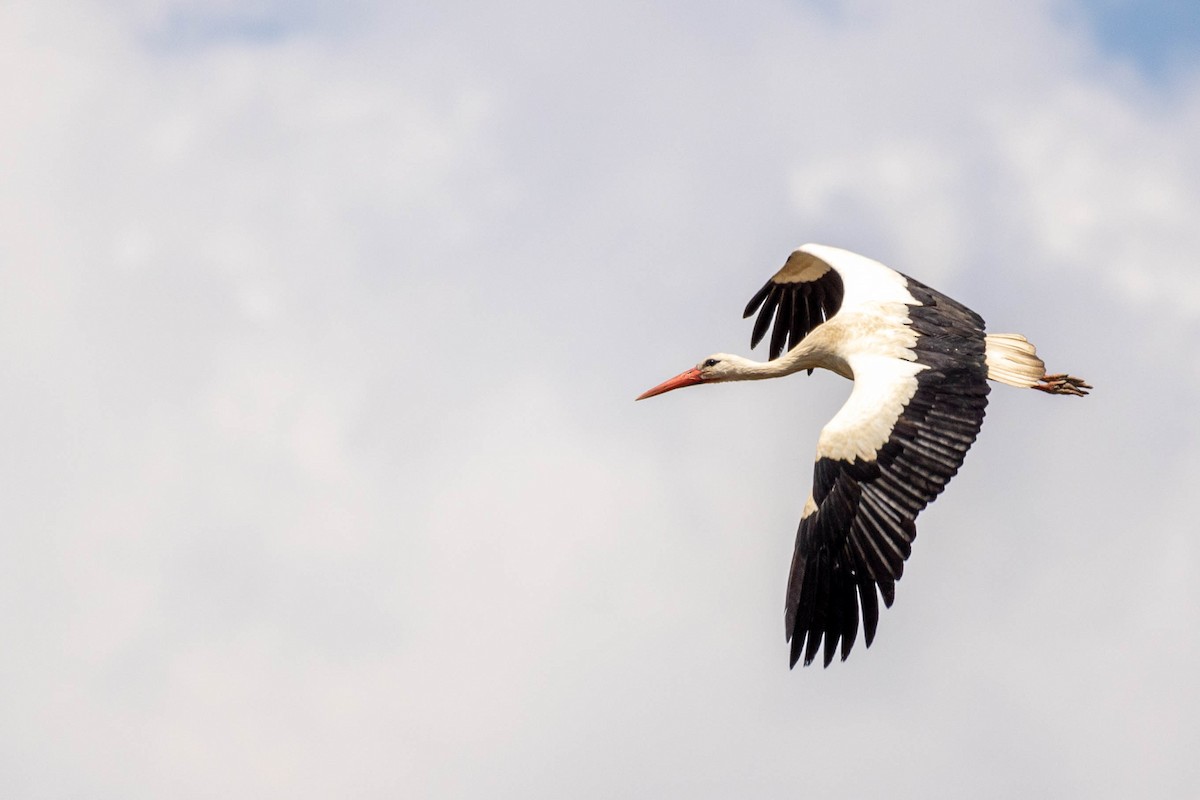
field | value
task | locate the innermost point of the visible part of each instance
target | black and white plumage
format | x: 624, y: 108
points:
x: 920, y: 363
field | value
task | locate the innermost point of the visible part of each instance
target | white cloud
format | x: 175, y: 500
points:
x: 320, y: 351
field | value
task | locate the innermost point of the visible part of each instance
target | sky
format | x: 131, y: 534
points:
x: 321, y: 329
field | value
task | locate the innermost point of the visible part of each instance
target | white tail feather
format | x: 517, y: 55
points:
x: 1012, y: 359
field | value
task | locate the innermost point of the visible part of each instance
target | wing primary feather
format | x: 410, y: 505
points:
x: 887, y: 535
x: 873, y: 567
x: 887, y: 588
x: 814, y: 644
x: 849, y: 616
x: 765, y: 315
x: 815, y: 614
x: 814, y: 300
x: 895, y: 537
x: 876, y: 561
x: 870, y: 610
x: 799, y: 320
x: 885, y: 513
x: 886, y: 499
x: 757, y: 300
x: 795, y: 583
x: 810, y: 577
x: 833, y: 630
x: 783, y: 323
x: 902, y: 495
x: 797, y: 649
x: 837, y: 292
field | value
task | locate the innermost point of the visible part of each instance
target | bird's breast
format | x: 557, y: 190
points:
x: 881, y: 330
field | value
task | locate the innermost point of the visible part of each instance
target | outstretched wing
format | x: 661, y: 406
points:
x: 885, y: 456
x: 802, y: 295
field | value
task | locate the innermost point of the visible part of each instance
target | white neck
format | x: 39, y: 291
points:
x: 800, y: 357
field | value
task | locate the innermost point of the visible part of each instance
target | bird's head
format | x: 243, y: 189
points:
x: 714, y: 369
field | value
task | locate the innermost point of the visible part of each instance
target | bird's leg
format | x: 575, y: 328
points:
x: 1062, y: 384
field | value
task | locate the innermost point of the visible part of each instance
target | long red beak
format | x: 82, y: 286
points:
x: 689, y: 378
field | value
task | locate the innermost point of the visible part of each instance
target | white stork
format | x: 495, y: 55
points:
x: 920, y: 363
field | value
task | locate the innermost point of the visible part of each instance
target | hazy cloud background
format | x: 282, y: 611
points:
x: 320, y: 329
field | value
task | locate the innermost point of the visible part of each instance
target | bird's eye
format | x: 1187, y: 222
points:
x: 712, y: 362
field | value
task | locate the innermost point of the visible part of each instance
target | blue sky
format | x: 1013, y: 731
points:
x: 321, y: 334
x: 1162, y: 38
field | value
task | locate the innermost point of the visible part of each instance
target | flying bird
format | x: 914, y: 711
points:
x: 920, y: 363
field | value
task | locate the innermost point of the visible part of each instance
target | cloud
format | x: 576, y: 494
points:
x: 320, y: 350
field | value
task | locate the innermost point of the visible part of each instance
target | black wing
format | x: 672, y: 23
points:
x: 861, y: 531
x: 802, y: 295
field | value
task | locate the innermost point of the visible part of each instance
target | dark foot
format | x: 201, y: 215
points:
x: 1062, y: 384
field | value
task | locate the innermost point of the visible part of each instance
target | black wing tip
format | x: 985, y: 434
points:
x: 793, y: 309
x: 860, y: 611
x: 809, y: 653
x: 804, y: 647
x: 887, y: 588
x: 758, y: 299
x: 831, y: 651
